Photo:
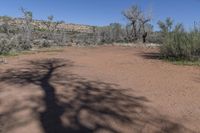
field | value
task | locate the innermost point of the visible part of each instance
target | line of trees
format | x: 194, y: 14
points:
x: 137, y: 28
x: 29, y: 34
x: 175, y: 42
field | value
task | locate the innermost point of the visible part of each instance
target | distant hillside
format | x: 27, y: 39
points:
x: 40, y: 24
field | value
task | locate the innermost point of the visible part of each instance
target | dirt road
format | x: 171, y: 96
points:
x: 98, y: 90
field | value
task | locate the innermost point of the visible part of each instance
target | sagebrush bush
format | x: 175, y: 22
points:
x: 13, y: 44
x: 179, y: 44
x: 154, y: 37
x: 4, y: 46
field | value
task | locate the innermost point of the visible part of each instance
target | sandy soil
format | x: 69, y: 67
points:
x: 98, y: 90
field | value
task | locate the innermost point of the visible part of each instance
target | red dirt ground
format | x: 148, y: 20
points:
x: 98, y: 90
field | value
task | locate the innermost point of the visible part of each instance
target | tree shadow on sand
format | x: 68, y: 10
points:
x: 77, y: 105
x: 151, y: 55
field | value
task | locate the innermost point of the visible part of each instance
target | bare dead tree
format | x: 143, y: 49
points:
x: 53, y: 27
x: 133, y: 14
x: 28, y: 18
x: 137, y: 20
x: 144, y: 20
x: 48, y: 22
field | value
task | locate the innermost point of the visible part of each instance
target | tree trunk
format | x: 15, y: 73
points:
x: 144, y: 37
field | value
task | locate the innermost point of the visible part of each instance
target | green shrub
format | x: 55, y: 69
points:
x: 179, y: 44
x: 4, y: 46
x: 13, y: 44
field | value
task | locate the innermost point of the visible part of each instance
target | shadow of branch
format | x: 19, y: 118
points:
x: 77, y: 105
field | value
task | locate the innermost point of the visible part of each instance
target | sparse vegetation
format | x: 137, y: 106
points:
x: 175, y: 42
x: 178, y: 43
x: 120, y: 75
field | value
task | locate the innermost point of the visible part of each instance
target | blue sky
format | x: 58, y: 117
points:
x: 103, y: 12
